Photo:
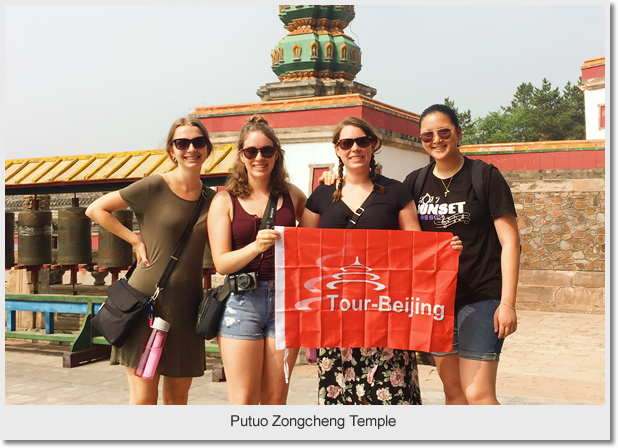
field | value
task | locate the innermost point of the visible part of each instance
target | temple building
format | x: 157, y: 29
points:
x: 316, y: 64
x: 593, y: 86
x: 558, y: 186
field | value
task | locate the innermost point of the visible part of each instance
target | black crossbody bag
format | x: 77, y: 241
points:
x: 211, y: 308
x: 125, y: 305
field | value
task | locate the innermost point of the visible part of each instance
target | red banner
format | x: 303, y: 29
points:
x: 365, y: 288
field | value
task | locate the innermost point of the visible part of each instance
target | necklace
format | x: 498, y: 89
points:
x: 446, y: 187
x: 446, y: 190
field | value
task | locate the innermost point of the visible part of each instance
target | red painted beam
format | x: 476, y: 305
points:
x: 316, y: 117
x: 559, y: 160
x: 593, y: 72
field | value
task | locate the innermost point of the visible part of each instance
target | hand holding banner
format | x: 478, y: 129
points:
x: 365, y: 288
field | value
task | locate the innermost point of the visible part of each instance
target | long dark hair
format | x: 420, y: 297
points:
x: 238, y: 182
x: 442, y: 108
x: 369, y: 132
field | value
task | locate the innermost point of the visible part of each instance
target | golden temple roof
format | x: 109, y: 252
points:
x: 523, y: 147
x: 593, y: 62
x: 102, y: 172
x: 295, y: 104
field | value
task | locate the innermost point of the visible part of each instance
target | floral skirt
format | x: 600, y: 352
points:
x: 377, y: 375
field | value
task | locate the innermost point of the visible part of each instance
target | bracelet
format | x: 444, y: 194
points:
x: 512, y: 307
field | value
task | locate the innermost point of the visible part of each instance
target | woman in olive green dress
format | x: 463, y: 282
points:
x: 163, y: 205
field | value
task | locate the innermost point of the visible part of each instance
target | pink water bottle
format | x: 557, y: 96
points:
x: 312, y: 355
x: 148, y: 361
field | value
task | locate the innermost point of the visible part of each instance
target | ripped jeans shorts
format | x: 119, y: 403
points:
x: 250, y: 314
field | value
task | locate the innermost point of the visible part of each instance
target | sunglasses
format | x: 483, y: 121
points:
x: 182, y: 144
x: 444, y: 134
x: 251, y: 152
x: 362, y: 142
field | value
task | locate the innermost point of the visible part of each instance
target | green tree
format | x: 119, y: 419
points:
x: 546, y: 120
x: 494, y: 128
x: 520, y: 114
x: 523, y: 96
x: 466, y: 123
x: 574, y: 111
x: 535, y: 114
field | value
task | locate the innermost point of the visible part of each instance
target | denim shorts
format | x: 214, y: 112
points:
x: 474, y: 336
x: 250, y: 314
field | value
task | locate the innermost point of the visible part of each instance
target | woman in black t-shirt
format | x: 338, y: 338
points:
x: 488, y: 265
x: 363, y: 375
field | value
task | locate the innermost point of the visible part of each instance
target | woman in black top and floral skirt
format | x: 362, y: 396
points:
x: 369, y: 375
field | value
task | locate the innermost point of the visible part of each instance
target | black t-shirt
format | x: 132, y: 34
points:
x: 479, y: 277
x: 382, y: 213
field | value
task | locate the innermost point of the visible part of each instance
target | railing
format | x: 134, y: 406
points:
x: 87, y: 345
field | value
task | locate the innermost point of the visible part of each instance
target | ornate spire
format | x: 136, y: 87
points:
x: 316, y: 51
x: 315, y: 47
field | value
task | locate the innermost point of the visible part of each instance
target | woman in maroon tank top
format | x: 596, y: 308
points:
x: 254, y: 369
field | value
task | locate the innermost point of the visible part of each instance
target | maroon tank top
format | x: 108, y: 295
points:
x: 244, y: 230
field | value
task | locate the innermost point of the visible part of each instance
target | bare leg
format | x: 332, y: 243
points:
x: 274, y: 387
x: 176, y: 390
x: 478, y: 379
x: 243, y: 360
x: 142, y: 391
x: 448, y: 369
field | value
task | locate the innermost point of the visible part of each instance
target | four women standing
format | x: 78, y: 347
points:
x: 255, y: 371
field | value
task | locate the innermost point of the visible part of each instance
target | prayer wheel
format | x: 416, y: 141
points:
x: 208, y: 263
x: 74, y: 236
x: 114, y: 252
x: 9, y: 238
x: 34, y: 237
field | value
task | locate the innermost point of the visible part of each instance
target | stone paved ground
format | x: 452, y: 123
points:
x: 553, y: 358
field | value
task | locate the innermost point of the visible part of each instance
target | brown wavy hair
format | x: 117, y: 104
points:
x: 238, y: 182
x: 369, y: 132
x: 186, y: 121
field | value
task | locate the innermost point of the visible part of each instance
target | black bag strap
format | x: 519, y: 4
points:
x: 478, y: 184
x: 225, y: 291
x: 359, y: 211
x: 179, y: 247
x: 268, y: 218
x: 420, y: 181
x: 181, y: 244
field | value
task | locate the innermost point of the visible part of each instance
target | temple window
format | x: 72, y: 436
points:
x: 344, y: 52
x: 296, y: 50
x: 329, y: 50
x: 314, y: 50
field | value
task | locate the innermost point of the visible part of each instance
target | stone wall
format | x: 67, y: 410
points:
x: 561, y: 220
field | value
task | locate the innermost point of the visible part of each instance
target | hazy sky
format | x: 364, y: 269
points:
x: 97, y: 79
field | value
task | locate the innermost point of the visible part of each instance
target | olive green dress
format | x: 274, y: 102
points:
x: 162, y: 218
